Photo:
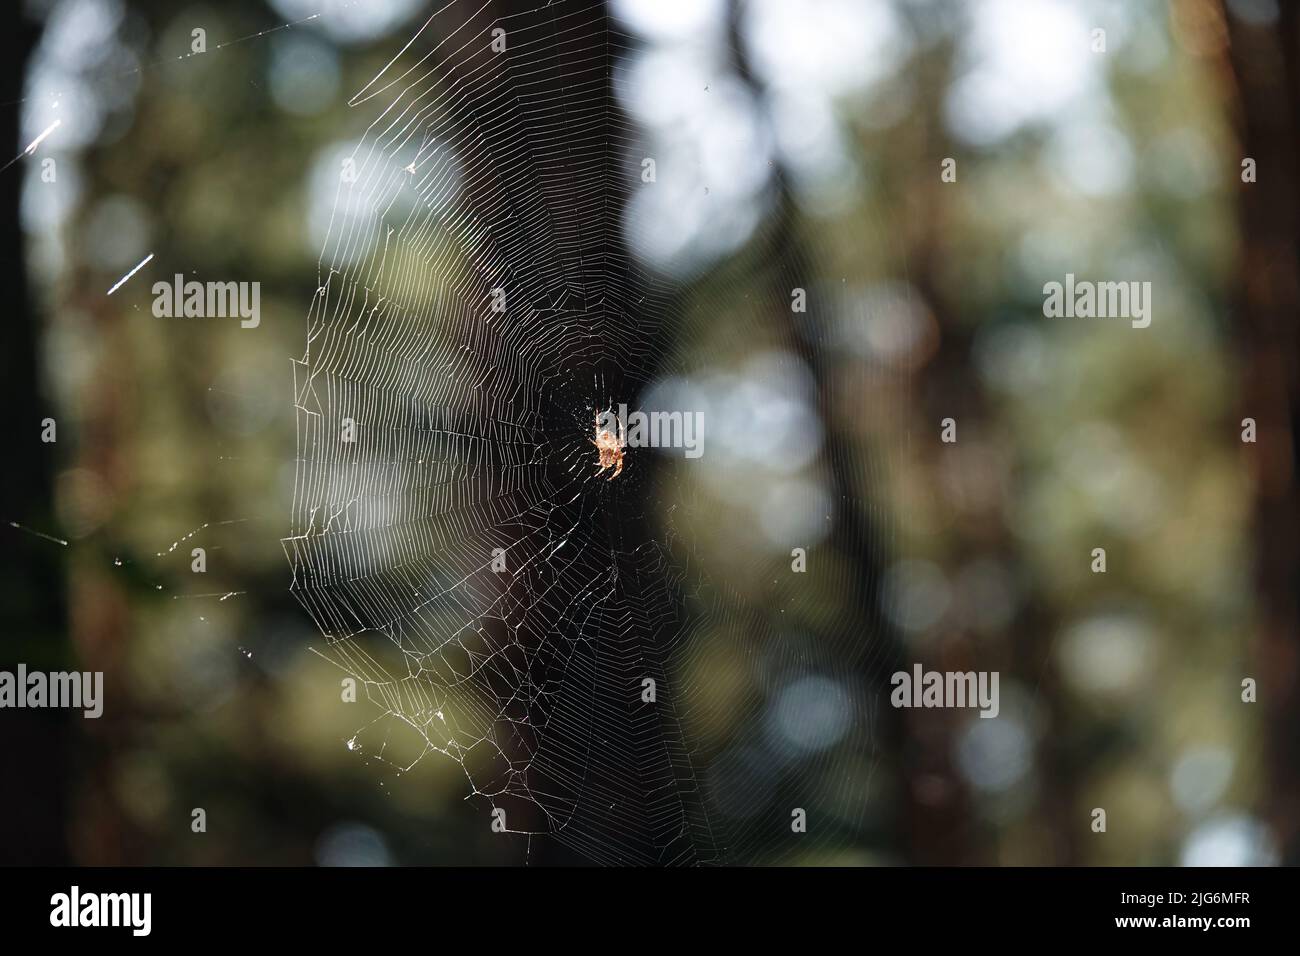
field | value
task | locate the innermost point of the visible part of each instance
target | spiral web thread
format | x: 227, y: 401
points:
x: 487, y: 170
x: 490, y: 177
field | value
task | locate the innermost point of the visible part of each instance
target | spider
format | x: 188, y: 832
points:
x: 610, y: 447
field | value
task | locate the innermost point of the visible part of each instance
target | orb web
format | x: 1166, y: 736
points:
x: 501, y: 603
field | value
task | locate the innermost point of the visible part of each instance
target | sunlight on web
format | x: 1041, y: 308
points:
x: 450, y: 535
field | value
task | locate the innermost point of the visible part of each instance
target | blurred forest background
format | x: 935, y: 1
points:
x: 1119, y: 690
